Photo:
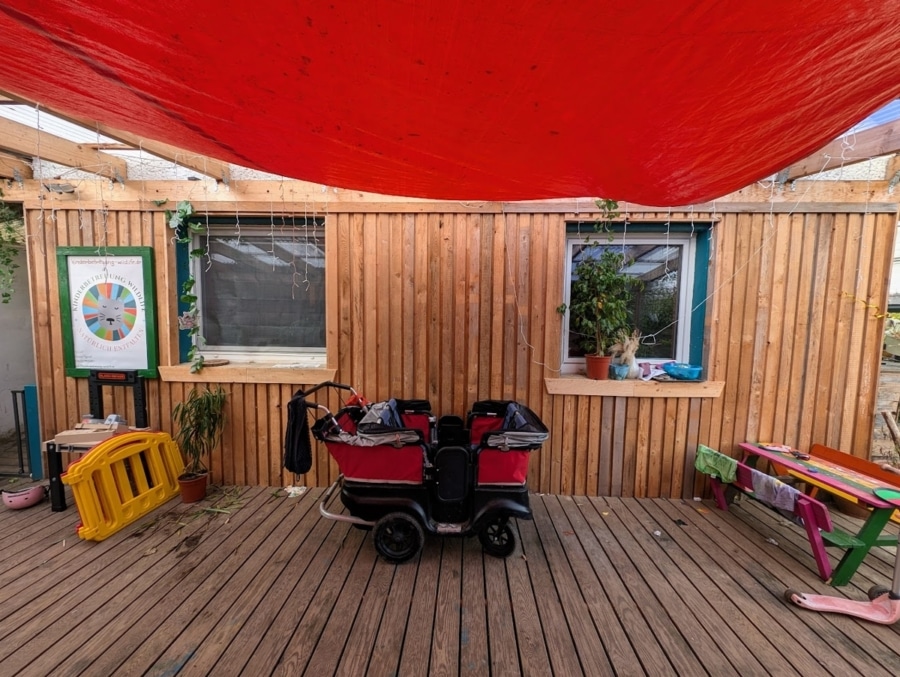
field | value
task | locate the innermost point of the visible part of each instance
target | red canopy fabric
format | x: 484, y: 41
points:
x: 658, y: 102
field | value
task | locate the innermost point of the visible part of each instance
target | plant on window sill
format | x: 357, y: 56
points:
x: 12, y: 237
x: 601, y: 293
x: 180, y: 221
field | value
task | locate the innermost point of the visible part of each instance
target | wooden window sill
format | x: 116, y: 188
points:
x: 247, y: 373
x: 579, y: 385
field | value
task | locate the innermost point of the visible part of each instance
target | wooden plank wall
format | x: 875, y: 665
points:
x: 457, y: 307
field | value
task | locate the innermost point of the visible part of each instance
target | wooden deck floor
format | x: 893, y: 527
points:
x: 252, y: 582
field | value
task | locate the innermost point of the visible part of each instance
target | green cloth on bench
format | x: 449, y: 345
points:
x: 711, y: 462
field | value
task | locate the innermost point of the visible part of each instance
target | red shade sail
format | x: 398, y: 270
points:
x: 658, y: 102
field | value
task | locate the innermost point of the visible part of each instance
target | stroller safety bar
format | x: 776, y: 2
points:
x: 326, y: 497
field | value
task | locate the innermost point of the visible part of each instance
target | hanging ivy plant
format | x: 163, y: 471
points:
x: 12, y: 237
x: 180, y: 220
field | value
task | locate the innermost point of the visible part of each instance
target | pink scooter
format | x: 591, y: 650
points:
x: 883, y: 605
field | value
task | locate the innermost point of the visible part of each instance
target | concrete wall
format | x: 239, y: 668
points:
x: 16, y: 345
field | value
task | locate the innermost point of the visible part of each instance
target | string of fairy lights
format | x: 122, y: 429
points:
x: 305, y: 244
x: 847, y: 145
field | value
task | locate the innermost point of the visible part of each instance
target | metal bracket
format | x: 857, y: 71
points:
x: 339, y: 517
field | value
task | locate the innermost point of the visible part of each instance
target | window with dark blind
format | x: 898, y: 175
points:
x: 263, y: 290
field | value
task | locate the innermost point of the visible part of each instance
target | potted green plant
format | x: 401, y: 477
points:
x: 600, y: 305
x: 200, y: 420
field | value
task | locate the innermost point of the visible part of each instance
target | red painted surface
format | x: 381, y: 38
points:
x: 658, y: 102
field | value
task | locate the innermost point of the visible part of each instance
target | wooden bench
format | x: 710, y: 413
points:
x: 812, y: 513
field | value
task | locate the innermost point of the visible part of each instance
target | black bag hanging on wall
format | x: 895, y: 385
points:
x: 297, y: 447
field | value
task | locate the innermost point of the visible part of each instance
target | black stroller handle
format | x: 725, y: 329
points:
x: 326, y: 384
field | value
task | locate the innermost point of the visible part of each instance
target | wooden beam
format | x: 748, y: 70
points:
x: 199, y: 163
x: 26, y: 140
x: 205, y: 165
x: 875, y: 142
x: 9, y: 166
x: 110, y: 146
x: 301, y: 197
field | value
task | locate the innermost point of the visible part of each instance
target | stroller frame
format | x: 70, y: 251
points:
x: 404, y: 473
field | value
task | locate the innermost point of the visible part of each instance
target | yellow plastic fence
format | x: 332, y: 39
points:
x: 122, y: 479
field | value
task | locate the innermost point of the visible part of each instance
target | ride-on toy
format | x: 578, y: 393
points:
x: 404, y: 472
x: 884, y: 603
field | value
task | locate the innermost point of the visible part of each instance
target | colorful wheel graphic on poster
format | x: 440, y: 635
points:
x: 109, y: 310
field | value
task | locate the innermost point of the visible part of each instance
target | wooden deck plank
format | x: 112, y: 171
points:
x: 35, y: 610
x: 867, y: 643
x: 588, y: 643
x: 702, y: 567
x: 24, y: 523
x: 225, y: 611
x: 294, y: 649
x: 650, y: 655
x: 529, y: 636
x: 661, y: 628
x: 724, y: 641
x: 621, y: 654
x: 355, y: 657
x: 263, y: 633
x: 657, y: 571
x: 272, y: 588
x: 504, y: 647
x: 106, y: 636
x: 282, y: 564
x: 445, y: 637
x: 385, y: 658
x: 474, y: 659
x: 769, y: 576
x: 416, y: 650
x: 557, y: 635
x: 22, y: 544
x: 75, y: 618
x: 320, y: 653
x: 189, y: 605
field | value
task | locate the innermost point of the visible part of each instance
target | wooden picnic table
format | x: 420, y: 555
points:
x: 844, y: 475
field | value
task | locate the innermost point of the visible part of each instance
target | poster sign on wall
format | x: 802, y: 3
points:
x: 107, y: 304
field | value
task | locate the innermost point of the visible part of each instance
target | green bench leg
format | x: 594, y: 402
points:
x: 854, y: 556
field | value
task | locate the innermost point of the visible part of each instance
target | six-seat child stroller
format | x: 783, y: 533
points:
x: 404, y: 472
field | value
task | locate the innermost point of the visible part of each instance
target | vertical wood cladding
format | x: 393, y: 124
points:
x: 457, y: 307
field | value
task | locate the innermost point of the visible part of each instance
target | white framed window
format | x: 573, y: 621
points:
x: 668, y: 310
x: 261, y: 292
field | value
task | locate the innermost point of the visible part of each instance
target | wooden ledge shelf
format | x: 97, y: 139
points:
x: 579, y: 385
x: 247, y: 373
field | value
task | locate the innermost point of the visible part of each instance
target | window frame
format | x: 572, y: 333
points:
x: 302, y: 357
x: 695, y: 238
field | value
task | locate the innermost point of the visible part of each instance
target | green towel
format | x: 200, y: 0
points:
x: 711, y: 462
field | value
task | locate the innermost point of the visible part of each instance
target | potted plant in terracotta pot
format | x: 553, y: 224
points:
x: 200, y: 420
x: 600, y: 305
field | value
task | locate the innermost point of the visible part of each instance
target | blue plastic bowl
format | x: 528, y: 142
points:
x: 687, y: 372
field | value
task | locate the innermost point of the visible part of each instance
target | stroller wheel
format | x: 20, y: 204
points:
x: 497, y: 538
x: 398, y: 537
